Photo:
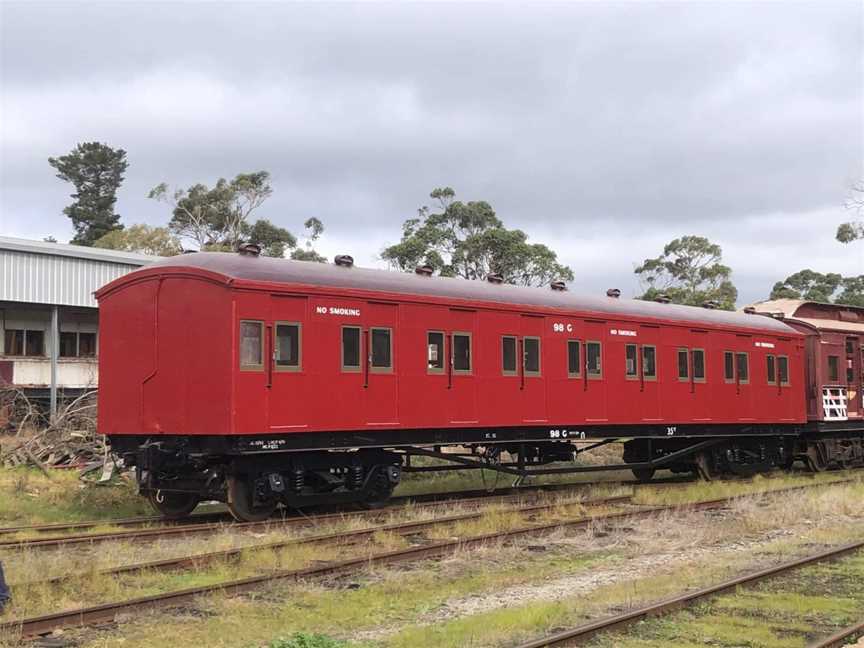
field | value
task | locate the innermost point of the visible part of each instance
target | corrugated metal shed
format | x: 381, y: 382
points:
x: 54, y: 273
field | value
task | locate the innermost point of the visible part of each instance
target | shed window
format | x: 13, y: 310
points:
x: 77, y: 345
x: 382, y: 349
x: 13, y: 342
x: 574, y: 368
x: 508, y: 355
x: 771, y: 369
x: 833, y: 369
x: 593, y: 359
x: 462, y: 352
x: 698, y: 362
x: 743, y: 367
x: 631, y: 359
x: 683, y: 365
x: 251, y: 345
x: 532, y: 356
x: 350, y: 348
x: 649, y: 362
x: 435, y: 352
x: 288, y: 346
x: 783, y: 369
x: 729, y: 366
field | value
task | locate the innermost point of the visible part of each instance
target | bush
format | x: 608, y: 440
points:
x: 304, y: 640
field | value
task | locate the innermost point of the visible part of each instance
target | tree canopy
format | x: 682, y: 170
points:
x: 689, y: 271
x: 143, y: 239
x: 853, y: 230
x: 218, y: 218
x: 96, y: 171
x: 468, y: 240
x: 314, y: 229
x: 830, y: 288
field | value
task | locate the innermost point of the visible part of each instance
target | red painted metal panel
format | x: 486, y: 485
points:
x: 170, y: 363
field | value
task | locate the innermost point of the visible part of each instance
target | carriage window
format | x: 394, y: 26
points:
x: 593, y: 359
x: 833, y: 369
x: 729, y: 366
x: 251, y: 347
x: 630, y: 361
x: 435, y: 352
x: 288, y: 347
x: 462, y: 352
x: 683, y: 365
x: 850, y: 346
x: 698, y: 361
x: 350, y: 348
x: 771, y: 370
x: 649, y: 362
x: 382, y: 349
x: 532, y: 356
x: 508, y: 355
x: 743, y: 367
x: 574, y: 369
x: 783, y: 369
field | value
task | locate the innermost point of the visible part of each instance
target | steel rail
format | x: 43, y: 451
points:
x: 350, y: 537
x: 841, y: 637
x: 44, y: 624
x: 179, y: 528
x: 575, y: 635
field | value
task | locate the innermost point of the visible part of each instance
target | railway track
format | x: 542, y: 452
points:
x: 581, y: 633
x: 841, y: 638
x: 33, y: 626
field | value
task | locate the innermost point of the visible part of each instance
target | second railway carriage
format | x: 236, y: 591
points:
x: 260, y: 380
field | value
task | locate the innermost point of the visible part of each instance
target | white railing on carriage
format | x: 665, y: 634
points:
x: 834, y: 403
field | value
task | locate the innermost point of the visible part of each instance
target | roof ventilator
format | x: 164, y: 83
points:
x: 750, y: 310
x: 663, y: 299
x: 424, y: 270
x: 494, y: 277
x: 344, y: 260
x: 249, y: 249
x: 558, y: 285
x: 189, y: 251
x: 614, y: 293
x: 711, y: 304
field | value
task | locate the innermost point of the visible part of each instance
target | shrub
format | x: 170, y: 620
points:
x: 305, y: 640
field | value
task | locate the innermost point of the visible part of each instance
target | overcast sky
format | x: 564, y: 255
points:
x: 602, y: 129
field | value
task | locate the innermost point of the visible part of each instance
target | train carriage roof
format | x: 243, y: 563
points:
x: 249, y: 268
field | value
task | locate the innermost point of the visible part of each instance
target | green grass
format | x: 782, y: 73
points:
x: 29, y: 497
x: 305, y: 640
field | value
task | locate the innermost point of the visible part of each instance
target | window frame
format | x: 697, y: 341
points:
x: 95, y: 344
x: 342, y: 366
x: 652, y: 377
x: 299, y: 365
x: 470, y: 370
x: 599, y: 374
x: 729, y: 380
x: 532, y: 373
x: 636, y: 359
x: 258, y: 367
x: 579, y: 351
x: 785, y: 361
x: 443, y: 359
x: 738, y: 379
x: 771, y: 369
x: 380, y: 369
x: 836, y: 378
x: 515, y: 370
x: 704, y: 377
x: 687, y: 369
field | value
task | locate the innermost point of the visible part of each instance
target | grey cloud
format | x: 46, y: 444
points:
x: 592, y: 126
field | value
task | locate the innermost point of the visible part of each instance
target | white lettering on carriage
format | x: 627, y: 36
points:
x: 337, y: 310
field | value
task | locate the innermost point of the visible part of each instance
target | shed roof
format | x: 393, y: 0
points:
x: 39, y: 272
x: 239, y: 267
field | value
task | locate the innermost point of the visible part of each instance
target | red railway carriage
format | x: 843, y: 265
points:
x: 262, y: 380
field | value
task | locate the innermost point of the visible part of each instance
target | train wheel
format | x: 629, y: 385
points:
x: 173, y: 505
x: 379, y: 489
x: 643, y: 474
x: 240, y: 501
